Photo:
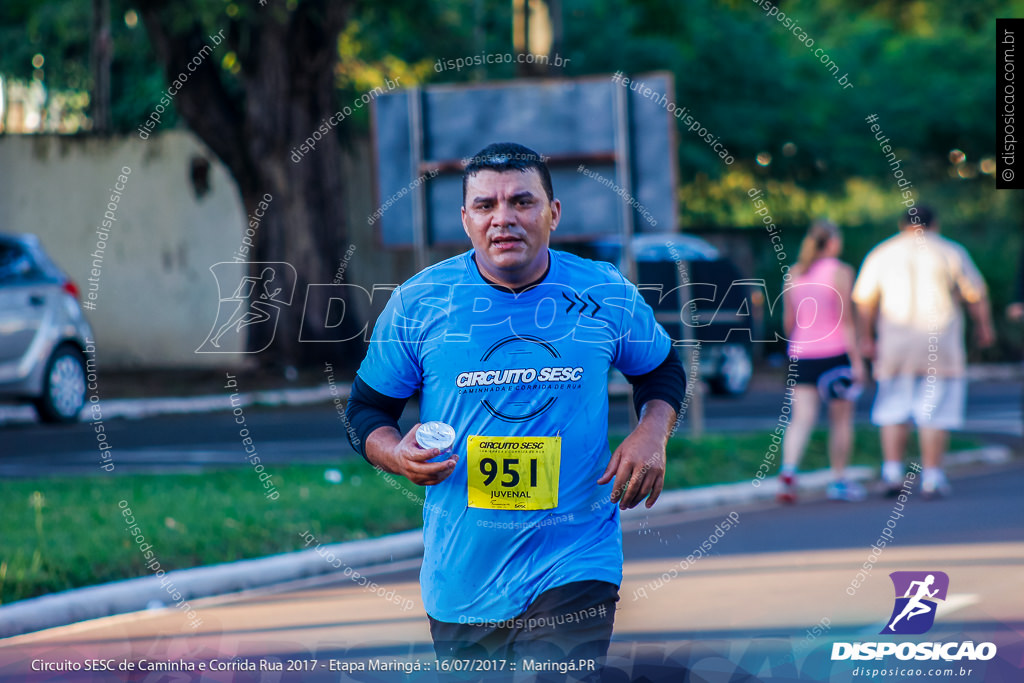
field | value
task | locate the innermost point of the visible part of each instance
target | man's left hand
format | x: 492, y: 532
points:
x: 638, y: 464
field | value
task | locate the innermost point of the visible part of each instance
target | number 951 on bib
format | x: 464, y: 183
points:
x: 514, y: 472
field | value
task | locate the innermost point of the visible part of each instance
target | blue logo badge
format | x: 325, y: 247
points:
x: 916, y: 596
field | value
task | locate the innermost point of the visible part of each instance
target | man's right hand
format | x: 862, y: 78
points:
x: 406, y: 458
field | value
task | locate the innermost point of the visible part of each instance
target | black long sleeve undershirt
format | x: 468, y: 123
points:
x: 666, y: 382
x: 367, y: 410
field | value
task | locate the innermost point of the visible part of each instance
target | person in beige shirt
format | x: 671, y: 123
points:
x: 910, y: 292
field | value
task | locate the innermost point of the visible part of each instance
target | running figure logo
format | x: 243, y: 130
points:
x: 255, y: 300
x: 916, y: 595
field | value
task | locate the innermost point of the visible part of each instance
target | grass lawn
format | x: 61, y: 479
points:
x: 67, y: 532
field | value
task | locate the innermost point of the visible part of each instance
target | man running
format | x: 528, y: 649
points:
x: 510, y: 343
x: 915, y: 606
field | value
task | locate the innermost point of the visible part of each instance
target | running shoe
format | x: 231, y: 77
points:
x: 849, y: 491
x: 893, y: 478
x: 787, y: 488
x: 893, y: 487
x: 936, y: 488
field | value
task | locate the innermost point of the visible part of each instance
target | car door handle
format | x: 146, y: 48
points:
x: 36, y: 300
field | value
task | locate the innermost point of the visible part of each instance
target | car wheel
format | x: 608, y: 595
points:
x: 735, y: 371
x: 63, y: 386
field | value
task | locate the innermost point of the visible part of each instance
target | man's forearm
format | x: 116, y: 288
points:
x: 981, y: 313
x: 380, y: 446
x: 658, y: 417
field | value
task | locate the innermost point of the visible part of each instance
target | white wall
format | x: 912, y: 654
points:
x: 156, y: 298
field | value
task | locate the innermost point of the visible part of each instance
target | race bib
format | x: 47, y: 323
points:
x: 514, y: 472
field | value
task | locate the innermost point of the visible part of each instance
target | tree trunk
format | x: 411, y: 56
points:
x: 102, y: 53
x: 287, y: 61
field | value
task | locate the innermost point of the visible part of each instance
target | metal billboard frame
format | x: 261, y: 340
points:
x: 621, y: 157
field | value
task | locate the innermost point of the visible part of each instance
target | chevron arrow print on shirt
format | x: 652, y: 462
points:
x: 582, y: 303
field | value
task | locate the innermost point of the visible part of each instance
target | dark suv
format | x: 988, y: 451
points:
x: 698, y: 295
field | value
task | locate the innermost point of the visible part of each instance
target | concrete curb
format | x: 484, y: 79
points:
x: 135, y: 408
x: 741, y: 492
x: 995, y: 371
x: 133, y: 595
x: 745, y: 492
x: 146, y: 407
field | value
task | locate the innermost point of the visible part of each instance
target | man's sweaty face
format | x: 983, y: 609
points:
x: 509, y: 220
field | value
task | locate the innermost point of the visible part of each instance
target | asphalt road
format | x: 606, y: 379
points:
x: 316, y: 434
x: 752, y: 605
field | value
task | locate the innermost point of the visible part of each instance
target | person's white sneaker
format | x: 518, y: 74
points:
x: 936, y: 487
x: 893, y: 474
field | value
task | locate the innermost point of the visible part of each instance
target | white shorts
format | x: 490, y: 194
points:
x: 936, y: 402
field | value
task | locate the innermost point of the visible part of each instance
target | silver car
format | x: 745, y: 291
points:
x: 43, y: 332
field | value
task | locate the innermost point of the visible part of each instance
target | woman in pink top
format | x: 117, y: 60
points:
x: 819, y: 322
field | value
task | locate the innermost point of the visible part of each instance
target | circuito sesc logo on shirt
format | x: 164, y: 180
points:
x: 528, y: 365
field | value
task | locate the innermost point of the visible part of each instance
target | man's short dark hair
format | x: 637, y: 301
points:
x: 508, y: 156
x: 925, y: 216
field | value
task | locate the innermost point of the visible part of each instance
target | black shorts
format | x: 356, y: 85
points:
x: 569, y: 622
x: 810, y: 370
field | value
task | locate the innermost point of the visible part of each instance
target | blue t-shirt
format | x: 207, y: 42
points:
x: 492, y: 363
